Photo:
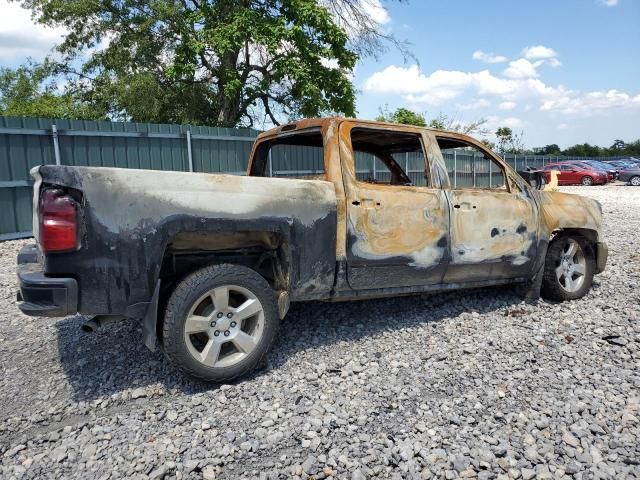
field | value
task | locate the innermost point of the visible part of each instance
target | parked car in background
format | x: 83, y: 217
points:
x: 620, y: 164
x: 575, y: 174
x: 632, y: 160
x: 610, y: 170
x: 631, y: 175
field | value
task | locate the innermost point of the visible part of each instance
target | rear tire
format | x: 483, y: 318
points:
x: 219, y: 323
x: 569, y: 268
x: 586, y: 181
x: 635, y: 181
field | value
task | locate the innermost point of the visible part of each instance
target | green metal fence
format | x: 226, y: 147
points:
x: 27, y: 142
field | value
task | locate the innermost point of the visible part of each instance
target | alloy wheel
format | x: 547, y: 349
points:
x: 572, y: 267
x: 224, y: 326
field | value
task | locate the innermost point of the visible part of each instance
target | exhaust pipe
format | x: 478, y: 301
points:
x: 98, y: 321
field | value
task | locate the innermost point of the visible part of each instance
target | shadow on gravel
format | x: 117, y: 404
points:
x: 113, y: 358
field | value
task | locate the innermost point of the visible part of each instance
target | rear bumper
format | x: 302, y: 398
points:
x: 602, y: 252
x: 40, y: 295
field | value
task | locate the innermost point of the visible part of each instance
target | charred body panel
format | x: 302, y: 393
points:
x: 568, y: 211
x: 131, y: 217
x: 494, y: 234
x: 397, y: 235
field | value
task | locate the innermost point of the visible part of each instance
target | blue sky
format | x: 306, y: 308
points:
x: 561, y: 71
x: 579, y: 83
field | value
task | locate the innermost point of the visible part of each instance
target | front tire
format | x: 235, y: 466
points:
x: 569, y: 268
x: 635, y: 181
x: 586, y: 181
x: 220, y: 322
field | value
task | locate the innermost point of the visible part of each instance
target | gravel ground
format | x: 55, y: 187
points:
x: 472, y: 384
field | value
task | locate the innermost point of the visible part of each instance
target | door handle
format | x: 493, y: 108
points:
x: 367, y: 202
x: 464, y: 206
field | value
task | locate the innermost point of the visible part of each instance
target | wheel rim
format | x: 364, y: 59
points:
x: 572, y: 267
x: 586, y: 181
x: 224, y: 326
x: 635, y: 181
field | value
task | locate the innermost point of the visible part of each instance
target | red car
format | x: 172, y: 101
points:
x: 575, y: 174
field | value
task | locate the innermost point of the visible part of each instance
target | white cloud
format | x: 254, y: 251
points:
x: 591, y: 102
x: 512, y: 122
x: 495, y: 121
x: 20, y: 37
x: 522, y: 68
x: 488, y: 57
x: 554, y: 62
x: 538, y: 51
x: 609, y: 3
x: 376, y: 11
x: 519, y: 84
x: 474, y: 105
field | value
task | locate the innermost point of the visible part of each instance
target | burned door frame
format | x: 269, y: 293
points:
x: 396, y: 235
x: 493, y: 232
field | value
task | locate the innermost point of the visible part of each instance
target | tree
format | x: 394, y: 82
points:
x: 401, y: 115
x: 618, y: 145
x: 217, y: 62
x: 584, y: 150
x: 441, y: 122
x: 508, y: 142
x: 28, y: 91
x: 505, y: 137
x: 552, y: 149
x: 366, y: 37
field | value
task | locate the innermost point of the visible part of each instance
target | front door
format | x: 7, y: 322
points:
x: 493, y: 219
x: 397, y: 219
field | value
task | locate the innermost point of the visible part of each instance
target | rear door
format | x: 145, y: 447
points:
x: 397, y: 215
x: 494, y: 219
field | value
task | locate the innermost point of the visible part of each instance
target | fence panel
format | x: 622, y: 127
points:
x: 27, y: 142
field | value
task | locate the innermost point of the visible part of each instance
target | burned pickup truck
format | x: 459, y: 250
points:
x: 330, y: 209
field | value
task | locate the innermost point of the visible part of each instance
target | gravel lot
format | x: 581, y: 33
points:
x: 472, y: 384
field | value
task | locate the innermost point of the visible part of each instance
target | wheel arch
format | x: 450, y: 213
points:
x: 590, y: 235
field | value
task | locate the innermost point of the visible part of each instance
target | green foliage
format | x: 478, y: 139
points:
x: 218, y: 62
x: 488, y: 143
x: 509, y: 142
x: 584, y: 150
x: 618, y: 145
x: 552, y: 149
x: 401, y: 115
x: 29, y: 91
x: 441, y: 122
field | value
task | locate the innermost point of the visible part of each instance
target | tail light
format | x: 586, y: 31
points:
x: 58, y: 222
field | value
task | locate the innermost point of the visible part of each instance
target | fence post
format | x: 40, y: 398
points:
x: 406, y: 163
x: 473, y: 168
x: 490, y: 176
x: 56, y: 145
x: 515, y: 162
x: 455, y: 169
x: 373, y: 161
x: 189, y: 150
